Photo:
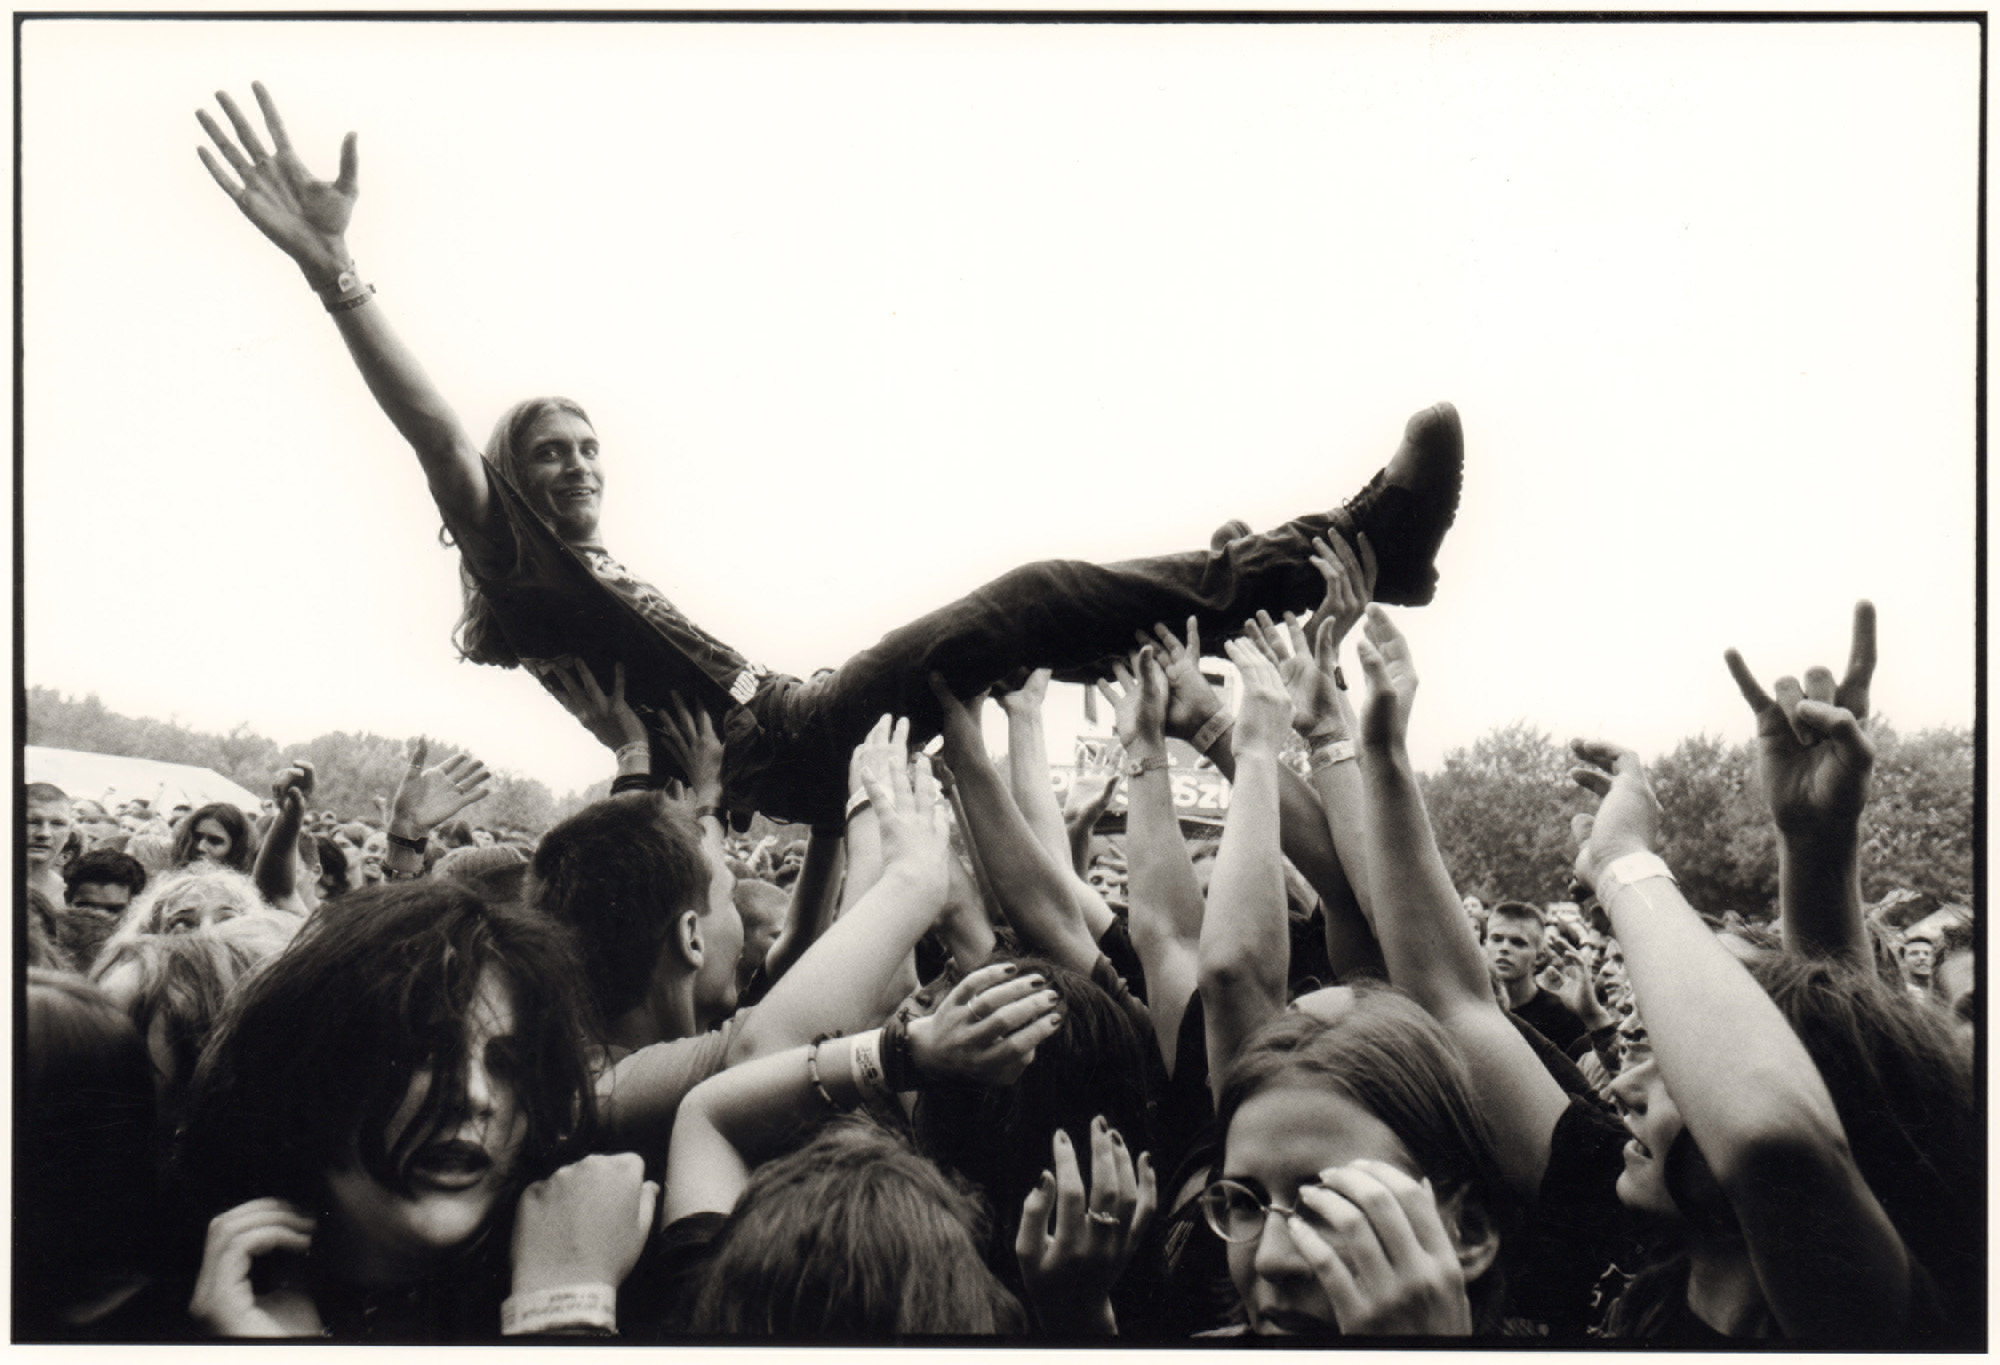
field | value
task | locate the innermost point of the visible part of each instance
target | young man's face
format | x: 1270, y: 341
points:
x: 49, y: 825
x: 110, y: 897
x: 1917, y: 958
x: 1511, y: 947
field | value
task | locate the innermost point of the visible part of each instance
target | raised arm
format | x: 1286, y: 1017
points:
x: 1166, y: 899
x: 276, y: 872
x: 1245, y: 948
x: 425, y: 798
x: 1830, y: 1263
x: 307, y: 219
x: 1813, y: 762
x: 1031, y: 884
x: 1028, y: 773
x: 815, y: 897
x: 1421, y: 924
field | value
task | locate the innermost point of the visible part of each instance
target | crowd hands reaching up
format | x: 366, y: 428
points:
x: 940, y: 1070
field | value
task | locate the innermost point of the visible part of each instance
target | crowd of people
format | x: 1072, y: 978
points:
x: 955, y: 1064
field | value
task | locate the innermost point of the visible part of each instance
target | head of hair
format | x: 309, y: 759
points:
x: 853, y: 1236
x: 478, y: 635
x: 619, y: 873
x: 46, y: 792
x: 1520, y: 911
x: 85, y: 1186
x: 454, y: 833
x: 1390, y: 1057
x: 356, y: 832
x: 180, y: 901
x: 496, y: 874
x: 999, y: 1139
x: 242, y: 849
x: 106, y: 867
x: 332, y: 863
x: 314, y: 1054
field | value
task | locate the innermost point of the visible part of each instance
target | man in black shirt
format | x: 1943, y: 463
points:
x: 1514, y: 931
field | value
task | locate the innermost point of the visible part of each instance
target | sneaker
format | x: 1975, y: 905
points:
x: 1409, y: 505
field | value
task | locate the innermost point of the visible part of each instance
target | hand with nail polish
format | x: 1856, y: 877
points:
x: 1073, y: 1245
x: 1378, y: 1245
x: 986, y: 1031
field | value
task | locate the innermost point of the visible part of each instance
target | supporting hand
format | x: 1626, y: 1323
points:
x: 611, y: 720
x: 689, y: 738
x: 1265, y: 713
x: 1392, y: 682
x: 1190, y: 698
x: 1139, y: 708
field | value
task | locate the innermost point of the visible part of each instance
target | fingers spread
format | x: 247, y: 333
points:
x: 246, y: 133
x: 1590, y: 779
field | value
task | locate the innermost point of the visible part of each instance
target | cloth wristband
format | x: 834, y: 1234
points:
x: 715, y: 811
x: 812, y: 1073
x: 1623, y: 872
x: 1212, y: 729
x: 415, y: 845
x: 593, y: 1306
x: 1329, y: 753
x: 865, y: 1064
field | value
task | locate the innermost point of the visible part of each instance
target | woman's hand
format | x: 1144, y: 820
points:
x: 307, y: 218
x: 1381, y: 1251
x: 586, y: 1224
x: 611, y: 720
x: 916, y: 833
x: 1627, y: 820
x: 986, y: 1031
x: 1392, y: 682
x: 1139, y: 707
x: 427, y: 797
x: 690, y: 740
x: 224, y: 1302
x: 1265, y: 713
x: 1308, y: 674
x: 1190, y: 698
x: 1070, y: 1263
x: 1350, y: 586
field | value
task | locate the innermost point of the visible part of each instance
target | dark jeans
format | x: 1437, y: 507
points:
x: 789, y: 747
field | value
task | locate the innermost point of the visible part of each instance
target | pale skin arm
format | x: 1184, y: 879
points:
x: 307, y: 219
x: 813, y: 904
x: 1028, y: 772
x: 1827, y: 1258
x: 1420, y: 922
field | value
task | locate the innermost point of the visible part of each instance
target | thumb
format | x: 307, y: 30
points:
x: 1580, y: 828
x: 1831, y: 722
x: 350, y: 166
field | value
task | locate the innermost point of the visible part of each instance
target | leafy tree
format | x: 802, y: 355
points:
x: 1501, y: 810
x: 1715, y: 828
x: 1917, y: 831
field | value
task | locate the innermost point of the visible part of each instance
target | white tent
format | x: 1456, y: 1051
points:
x: 112, y: 778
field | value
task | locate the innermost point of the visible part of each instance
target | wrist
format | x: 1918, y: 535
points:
x: 321, y: 262
x: 1146, y: 749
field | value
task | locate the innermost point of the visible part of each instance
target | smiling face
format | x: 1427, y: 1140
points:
x: 1654, y: 1121
x: 1280, y: 1139
x: 559, y: 474
x: 458, y: 1176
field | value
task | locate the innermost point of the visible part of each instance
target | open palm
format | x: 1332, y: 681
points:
x: 306, y: 217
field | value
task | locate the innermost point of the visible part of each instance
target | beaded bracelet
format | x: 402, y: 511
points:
x: 812, y: 1072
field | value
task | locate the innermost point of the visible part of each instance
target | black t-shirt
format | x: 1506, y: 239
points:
x: 1576, y: 1229
x: 1552, y: 1019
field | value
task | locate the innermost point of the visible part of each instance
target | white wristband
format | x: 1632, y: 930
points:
x: 636, y: 757
x: 864, y: 1062
x: 1326, y: 753
x: 592, y: 1306
x: 1625, y: 871
x: 1212, y: 729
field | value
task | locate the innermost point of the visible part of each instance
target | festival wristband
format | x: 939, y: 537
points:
x: 1625, y: 871
x: 1328, y: 753
x: 812, y: 1073
x: 857, y: 802
x: 568, y: 1307
x: 347, y: 291
x: 636, y: 757
x: 864, y: 1060
x: 709, y: 812
x: 1212, y: 729
x: 415, y: 845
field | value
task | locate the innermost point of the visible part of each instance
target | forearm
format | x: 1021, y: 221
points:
x: 1031, y: 886
x: 413, y: 405
x: 812, y: 907
x: 1166, y: 897
x: 1738, y: 1073
x: 1028, y: 775
x: 1427, y: 944
x: 838, y: 986
x: 1245, y: 946
x: 1304, y: 830
x: 1079, y: 827
x: 1343, y: 803
x: 1819, y: 896
x: 864, y: 859
x: 277, y: 859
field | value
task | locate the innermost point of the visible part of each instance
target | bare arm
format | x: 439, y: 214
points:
x: 276, y: 872
x: 813, y: 904
x: 307, y: 219
x: 1028, y: 772
x: 1421, y: 924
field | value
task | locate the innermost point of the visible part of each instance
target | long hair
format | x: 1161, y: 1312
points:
x: 184, y: 900
x: 1392, y: 1059
x: 853, y: 1237
x: 478, y: 635
x: 316, y: 1052
x: 242, y: 847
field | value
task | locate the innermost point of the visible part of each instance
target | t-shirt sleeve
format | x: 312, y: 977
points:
x: 639, y: 1096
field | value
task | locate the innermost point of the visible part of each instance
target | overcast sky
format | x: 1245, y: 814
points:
x: 867, y: 314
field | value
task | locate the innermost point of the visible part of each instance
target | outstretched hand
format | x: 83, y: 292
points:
x: 1139, y: 707
x: 427, y: 797
x: 1813, y: 757
x: 910, y: 812
x: 689, y: 738
x: 1350, y: 586
x: 1072, y: 1245
x: 1026, y: 700
x: 1265, y: 712
x: 1308, y: 672
x: 306, y: 217
x: 1190, y: 698
x: 1628, y: 819
x: 1392, y: 682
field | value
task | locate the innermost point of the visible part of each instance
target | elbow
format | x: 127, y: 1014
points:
x: 1785, y: 1138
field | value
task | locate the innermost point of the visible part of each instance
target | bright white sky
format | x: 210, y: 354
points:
x: 867, y: 314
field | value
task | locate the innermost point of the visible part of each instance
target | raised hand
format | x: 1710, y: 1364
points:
x: 307, y: 218
x: 1070, y: 1262
x: 1190, y: 698
x: 1139, y: 707
x: 585, y: 1224
x: 1569, y: 981
x: 1628, y: 819
x: 1813, y: 757
x: 1350, y: 586
x: 611, y: 720
x: 1379, y: 1248
x: 688, y: 736
x: 427, y: 797
x: 1029, y: 696
x: 1308, y: 673
x: 914, y: 821
x: 1090, y: 793
x: 224, y: 1302
x: 1392, y: 681
x: 986, y: 1031
x: 292, y: 787
x: 1265, y: 713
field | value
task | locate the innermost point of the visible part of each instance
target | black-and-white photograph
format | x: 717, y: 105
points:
x: 706, y: 679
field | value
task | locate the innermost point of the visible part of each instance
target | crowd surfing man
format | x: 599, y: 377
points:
x: 542, y: 592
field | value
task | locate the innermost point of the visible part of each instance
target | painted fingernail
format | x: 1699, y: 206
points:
x: 1062, y: 1137
x: 1034, y: 980
x: 1116, y: 1141
x: 1048, y: 1179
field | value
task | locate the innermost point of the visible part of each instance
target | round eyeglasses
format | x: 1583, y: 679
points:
x: 1235, y: 1212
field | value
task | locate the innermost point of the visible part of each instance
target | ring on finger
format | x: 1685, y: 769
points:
x: 1104, y: 1219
